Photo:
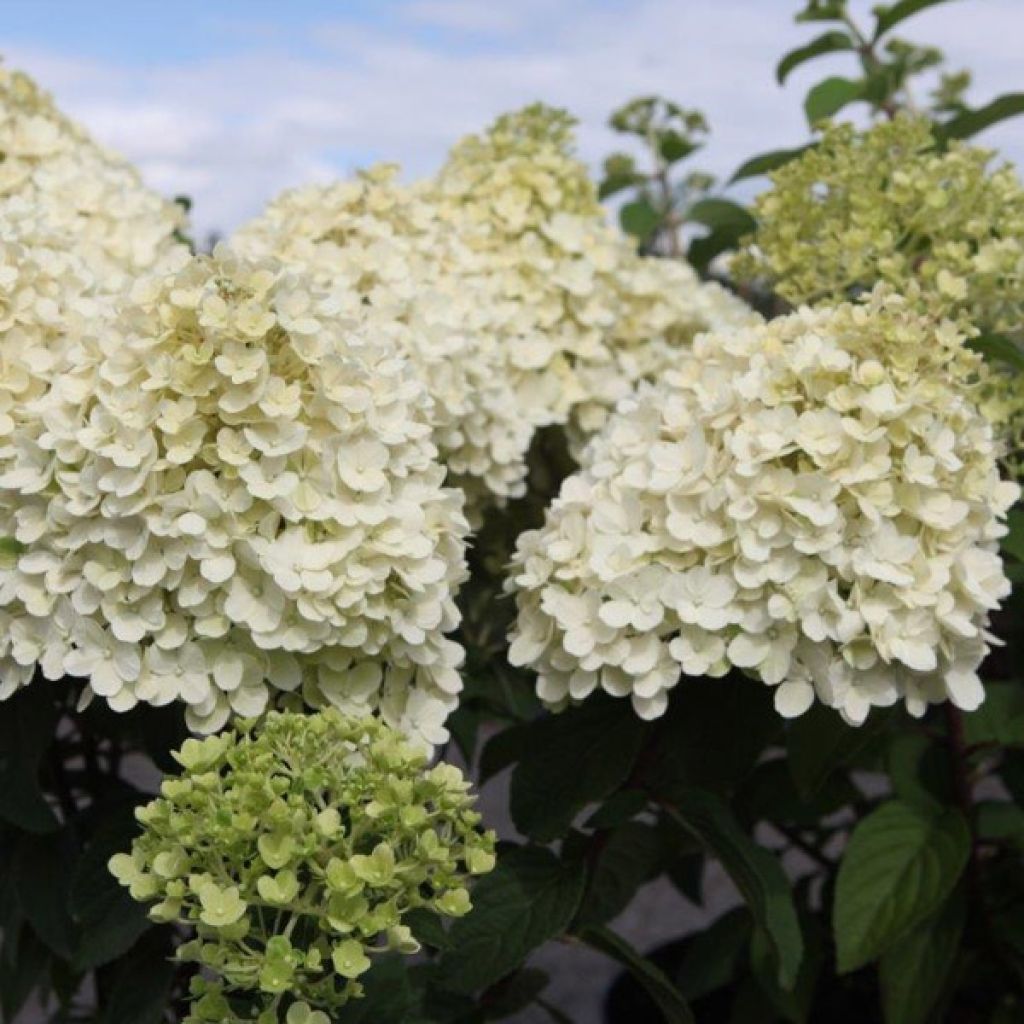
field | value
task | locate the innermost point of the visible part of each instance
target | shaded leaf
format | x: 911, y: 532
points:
x: 629, y: 857
x: 819, y: 742
x: 669, y: 1000
x: 572, y: 759
x: 42, y: 870
x: 915, y: 969
x: 710, y: 958
x: 755, y: 871
x: 27, y: 726
x: 639, y: 219
x: 1000, y: 719
x: 140, y: 986
x: 530, y: 897
x: 901, y: 863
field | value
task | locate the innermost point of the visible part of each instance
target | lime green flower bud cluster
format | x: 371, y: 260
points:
x: 295, y: 845
x: 887, y: 205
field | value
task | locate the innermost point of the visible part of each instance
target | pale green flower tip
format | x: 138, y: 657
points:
x: 349, y: 959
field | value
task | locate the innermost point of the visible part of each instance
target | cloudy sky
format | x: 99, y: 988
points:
x: 232, y: 101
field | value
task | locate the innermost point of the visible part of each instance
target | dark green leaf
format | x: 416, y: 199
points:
x: 830, y: 96
x: 428, y: 928
x: 27, y: 726
x: 388, y: 994
x: 827, y: 42
x: 819, y: 742
x: 22, y: 966
x: 901, y: 863
x: 1000, y: 821
x: 514, y: 993
x: 755, y: 872
x: 713, y: 733
x: 639, y: 219
x: 530, y: 897
x: 572, y: 759
x: 502, y: 750
x: 673, y: 146
x: 711, y: 956
x: 615, y: 183
x: 627, y: 858
x: 42, y: 868
x: 765, y: 163
x: 999, y: 348
x: 140, y: 986
x: 965, y: 125
x: 722, y: 213
x: 669, y: 999
x: 822, y: 10
x: 1013, y: 542
x: 1000, y: 719
x: 619, y: 808
x: 890, y: 15
x: 914, y: 971
x: 795, y: 1004
x: 918, y: 768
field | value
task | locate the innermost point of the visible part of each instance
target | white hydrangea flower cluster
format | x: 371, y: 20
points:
x: 229, y: 491
x: 582, y: 317
x: 58, y: 187
x: 392, y: 245
x: 811, y: 501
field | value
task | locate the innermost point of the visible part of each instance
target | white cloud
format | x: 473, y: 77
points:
x: 234, y: 130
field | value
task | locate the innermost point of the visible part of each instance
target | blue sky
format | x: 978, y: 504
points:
x: 233, y: 101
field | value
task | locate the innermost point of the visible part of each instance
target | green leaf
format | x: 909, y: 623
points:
x: 888, y: 16
x: 502, y: 750
x: 914, y: 971
x: 918, y: 768
x: 620, y: 807
x: 140, y: 985
x: 711, y: 955
x: 530, y: 897
x: 722, y: 213
x: 819, y: 742
x: 674, y: 1008
x: 615, y: 183
x: 628, y: 857
x: 830, y: 96
x: 827, y: 42
x: 572, y: 759
x: 765, y: 163
x: 1000, y: 719
x: 514, y: 993
x: 998, y: 348
x: 639, y: 219
x: 387, y: 994
x: 674, y: 147
x: 754, y: 870
x: 965, y: 125
x: 1013, y: 542
x: 1000, y: 821
x: 428, y: 928
x: 822, y: 10
x: 900, y: 865
x: 714, y: 732
x: 27, y: 725
x: 42, y: 872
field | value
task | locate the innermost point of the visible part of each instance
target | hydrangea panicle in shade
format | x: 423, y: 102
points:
x: 229, y: 492
x: 392, y: 244
x: 815, y: 501
x: 296, y: 846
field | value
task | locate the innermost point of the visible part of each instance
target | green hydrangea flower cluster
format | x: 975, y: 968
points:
x: 295, y: 845
x: 888, y: 204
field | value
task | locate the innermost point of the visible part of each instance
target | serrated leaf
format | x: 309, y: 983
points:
x: 530, y: 897
x: 669, y: 1000
x: 900, y: 865
x: 889, y: 16
x: 639, y: 219
x: 629, y: 857
x: 829, y: 97
x: 968, y: 124
x: 914, y: 971
x: 572, y: 759
x: 765, y: 163
x: 827, y: 42
x: 754, y: 870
